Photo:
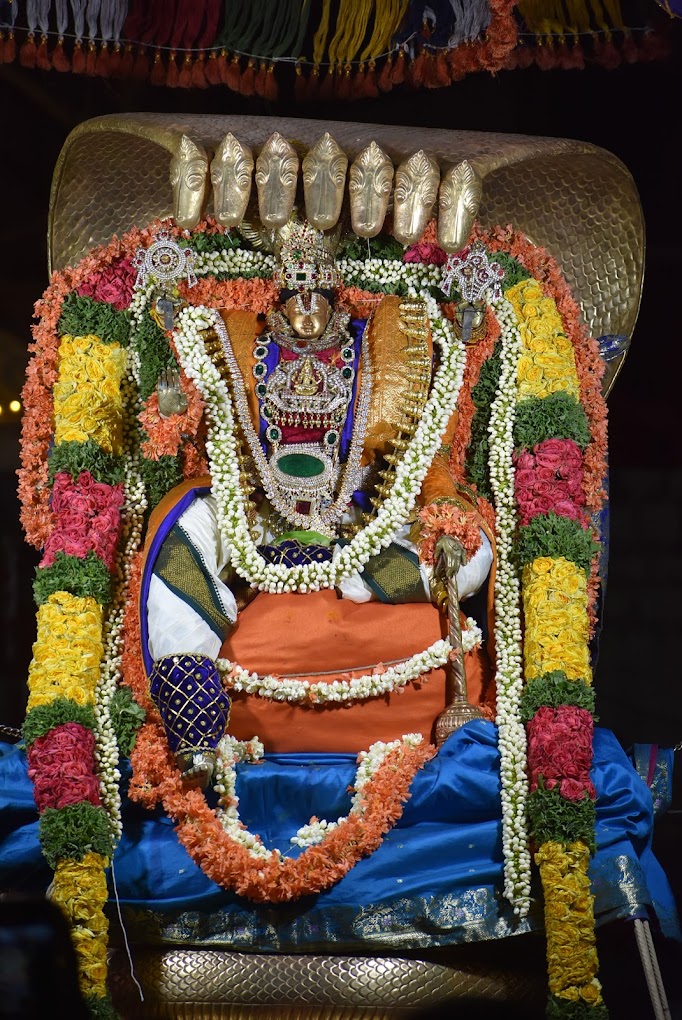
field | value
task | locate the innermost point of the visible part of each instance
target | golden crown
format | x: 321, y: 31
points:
x: 303, y: 260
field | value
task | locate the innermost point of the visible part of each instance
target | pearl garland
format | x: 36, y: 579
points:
x: 222, y: 452
x: 372, y: 685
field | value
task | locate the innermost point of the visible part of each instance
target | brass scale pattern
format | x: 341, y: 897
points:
x: 212, y: 984
x: 576, y: 200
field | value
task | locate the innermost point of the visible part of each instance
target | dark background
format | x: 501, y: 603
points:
x: 634, y: 112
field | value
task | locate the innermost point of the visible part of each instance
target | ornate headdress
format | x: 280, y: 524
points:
x: 303, y: 261
x: 473, y: 273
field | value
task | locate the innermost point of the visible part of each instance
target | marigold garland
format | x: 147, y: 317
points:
x: 277, y: 880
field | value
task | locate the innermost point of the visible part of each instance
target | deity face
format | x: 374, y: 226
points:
x: 231, y: 171
x: 276, y: 176
x: 416, y: 188
x: 324, y: 176
x: 308, y: 314
x: 369, y: 186
x: 188, y: 170
x: 458, y: 202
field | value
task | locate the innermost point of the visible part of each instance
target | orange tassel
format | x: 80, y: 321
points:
x: 564, y: 57
x: 211, y: 69
x: 247, y: 81
x: 42, y: 57
x: 233, y: 74
x: 458, y: 64
x: 27, y: 53
x: 441, y: 70
x: 140, y: 70
x: 78, y: 59
x: 185, y: 76
x: 90, y: 60
x: 416, y: 70
x: 172, y: 71
x: 371, y: 87
x: 300, y: 85
x: 544, y: 57
x: 127, y: 62
x: 326, y: 91
x: 385, y: 79
x: 524, y: 56
x: 606, y: 54
x: 313, y: 87
x: 271, y: 86
x: 357, y: 82
x: 158, y: 72
x: 102, y: 68
x: 398, y: 72
x: 221, y: 66
x: 259, y: 79
x: 198, y: 79
x: 60, y: 61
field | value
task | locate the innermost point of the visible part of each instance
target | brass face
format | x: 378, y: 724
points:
x: 416, y: 189
x: 324, y: 177
x: 231, y: 172
x: 188, y: 171
x: 276, y: 177
x: 369, y: 186
x: 308, y: 314
x: 458, y: 202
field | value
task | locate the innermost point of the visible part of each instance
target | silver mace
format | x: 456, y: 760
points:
x: 458, y: 710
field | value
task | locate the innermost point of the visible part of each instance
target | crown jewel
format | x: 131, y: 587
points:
x: 473, y: 273
x: 304, y: 263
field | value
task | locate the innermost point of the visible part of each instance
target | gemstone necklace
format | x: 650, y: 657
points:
x: 299, y: 480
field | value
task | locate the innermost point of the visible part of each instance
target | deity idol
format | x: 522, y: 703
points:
x: 321, y: 405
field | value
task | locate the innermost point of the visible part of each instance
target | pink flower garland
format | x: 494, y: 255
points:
x: 86, y: 517
x: 61, y: 765
x: 113, y: 284
x: 560, y: 751
x: 550, y: 478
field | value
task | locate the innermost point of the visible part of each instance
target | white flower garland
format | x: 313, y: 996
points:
x: 224, y: 464
x: 230, y: 751
x: 106, y: 748
x: 387, y: 274
x: 234, y: 263
x: 509, y: 677
x: 372, y: 685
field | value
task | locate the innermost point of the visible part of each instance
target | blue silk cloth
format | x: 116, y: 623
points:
x: 435, y: 880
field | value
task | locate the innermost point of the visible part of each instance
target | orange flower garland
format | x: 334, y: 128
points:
x: 277, y: 879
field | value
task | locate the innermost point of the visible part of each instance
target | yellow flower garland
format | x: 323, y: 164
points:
x: 67, y: 652
x: 87, y: 395
x: 569, y: 922
x: 547, y: 363
x: 80, y: 889
x: 554, y: 594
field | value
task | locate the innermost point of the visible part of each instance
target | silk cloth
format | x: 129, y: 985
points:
x: 435, y: 880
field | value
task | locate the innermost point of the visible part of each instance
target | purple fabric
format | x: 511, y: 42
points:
x: 189, y: 695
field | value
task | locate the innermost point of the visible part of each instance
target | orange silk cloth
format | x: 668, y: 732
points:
x: 319, y: 637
